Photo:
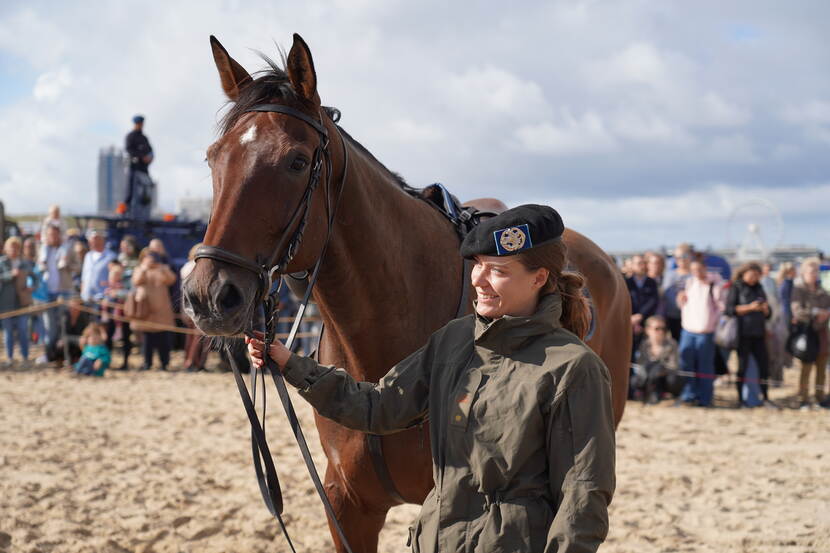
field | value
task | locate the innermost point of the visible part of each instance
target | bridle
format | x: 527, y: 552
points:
x: 265, y: 269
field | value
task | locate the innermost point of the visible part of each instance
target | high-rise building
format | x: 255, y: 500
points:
x: 112, y: 179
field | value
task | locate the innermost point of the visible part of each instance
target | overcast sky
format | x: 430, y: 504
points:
x: 644, y: 123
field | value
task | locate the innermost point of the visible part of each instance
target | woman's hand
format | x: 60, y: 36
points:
x: 256, y: 347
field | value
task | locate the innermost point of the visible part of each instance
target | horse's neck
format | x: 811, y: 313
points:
x: 391, y: 275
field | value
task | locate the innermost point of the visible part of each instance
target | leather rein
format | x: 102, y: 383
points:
x: 265, y: 269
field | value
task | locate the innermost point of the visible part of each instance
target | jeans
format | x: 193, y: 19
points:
x: 52, y: 320
x: 697, y: 355
x: 19, y: 323
x: 756, y: 347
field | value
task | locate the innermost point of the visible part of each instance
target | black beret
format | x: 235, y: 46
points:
x: 514, y: 231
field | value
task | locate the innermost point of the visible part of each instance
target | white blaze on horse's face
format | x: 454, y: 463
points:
x: 249, y: 136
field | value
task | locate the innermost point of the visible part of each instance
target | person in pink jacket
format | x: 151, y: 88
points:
x: 701, y: 303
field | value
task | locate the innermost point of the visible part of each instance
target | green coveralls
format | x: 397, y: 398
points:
x: 521, y: 428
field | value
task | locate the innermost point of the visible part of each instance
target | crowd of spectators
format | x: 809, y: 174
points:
x: 683, y: 312
x: 82, y: 297
x: 119, y: 299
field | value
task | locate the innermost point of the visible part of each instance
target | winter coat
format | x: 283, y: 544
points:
x: 155, y: 282
x: 521, y: 429
x: 751, y: 325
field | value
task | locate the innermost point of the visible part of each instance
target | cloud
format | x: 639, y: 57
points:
x: 596, y: 102
x: 570, y: 135
x: 51, y: 85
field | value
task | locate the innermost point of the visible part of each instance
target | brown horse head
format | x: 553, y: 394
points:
x: 261, y: 166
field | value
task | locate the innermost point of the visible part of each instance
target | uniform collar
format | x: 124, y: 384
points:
x: 508, y: 334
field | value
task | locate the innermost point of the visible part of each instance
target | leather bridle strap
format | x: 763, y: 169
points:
x: 289, y: 243
x: 266, y: 475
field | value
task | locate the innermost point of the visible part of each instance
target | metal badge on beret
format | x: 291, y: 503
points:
x: 512, y: 239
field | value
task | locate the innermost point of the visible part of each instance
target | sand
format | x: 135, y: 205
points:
x: 160, y: 462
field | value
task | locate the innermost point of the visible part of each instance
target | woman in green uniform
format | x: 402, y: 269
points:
x: 521, y: 423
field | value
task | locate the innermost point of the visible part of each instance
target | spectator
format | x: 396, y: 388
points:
x: 40, y: 293
x: 81, y: 249
x: 656, y: 267
x: 112, y: 308
x: 58, y: 263
x: 785, y: 280
x: 657, y: 356
x: 777, y: 327
x: 15, y: 293
x: 95, y: 267
x: 73, y: 321
x: 673, y: 283
x: 746, y: 301
x: 196, y: 345
x: 701, y: 303
x: 156, y: 245
x: 811, y: 304
x: 128, y: 257
x: 644, y: 297
x: 627, y: 268
x: 155, y: 277
x: 95, y: 358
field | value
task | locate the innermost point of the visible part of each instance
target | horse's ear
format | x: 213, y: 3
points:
x: 300, y: 69
x: 234, y: 77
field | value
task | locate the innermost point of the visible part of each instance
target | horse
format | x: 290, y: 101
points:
x: 392, y: 273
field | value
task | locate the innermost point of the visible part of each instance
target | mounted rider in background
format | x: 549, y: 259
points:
x: 139, y: 185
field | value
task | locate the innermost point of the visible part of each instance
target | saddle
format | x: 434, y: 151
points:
x: 463, y: 219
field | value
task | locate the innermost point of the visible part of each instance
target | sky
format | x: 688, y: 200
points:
x: 644, y: 123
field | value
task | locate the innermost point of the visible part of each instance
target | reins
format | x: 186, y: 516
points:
x: 264, y: 468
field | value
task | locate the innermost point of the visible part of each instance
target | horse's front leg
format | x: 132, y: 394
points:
x: 357, y: 497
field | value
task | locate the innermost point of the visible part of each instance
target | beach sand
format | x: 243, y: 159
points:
x: 160, y: 462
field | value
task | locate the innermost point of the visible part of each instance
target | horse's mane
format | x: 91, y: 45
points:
x: 272, y: 83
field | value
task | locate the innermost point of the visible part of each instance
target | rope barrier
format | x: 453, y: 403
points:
x: 158, y: 327
x: 728, y: 378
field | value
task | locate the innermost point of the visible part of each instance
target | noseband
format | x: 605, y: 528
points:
x: 266, y: 268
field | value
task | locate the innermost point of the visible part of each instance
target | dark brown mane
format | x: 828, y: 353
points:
x: 269, y: 84
x: 273, y: 83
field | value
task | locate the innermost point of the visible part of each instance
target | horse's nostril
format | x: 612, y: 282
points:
x: 229, y: 296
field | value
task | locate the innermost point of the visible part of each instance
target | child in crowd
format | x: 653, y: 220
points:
x: 95, y: 358
x: 112, y: 307
x: 52, y: 219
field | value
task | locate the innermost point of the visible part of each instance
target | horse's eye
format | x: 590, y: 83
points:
x: 299, y: 164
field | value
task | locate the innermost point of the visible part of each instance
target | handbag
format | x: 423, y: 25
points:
x: 803, y: 342
x: 24, y: 293
x: 726, y: 333
x: 137, y: 305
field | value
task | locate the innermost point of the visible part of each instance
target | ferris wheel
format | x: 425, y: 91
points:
x: 754, y: 229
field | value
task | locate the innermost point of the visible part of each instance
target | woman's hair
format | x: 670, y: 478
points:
x: 783, y: 270
x: 810, y: 262
x: 745, y: 268
x: 12, y: 240
x: 553, y: 257
x: 131, y: 240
